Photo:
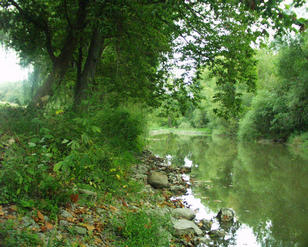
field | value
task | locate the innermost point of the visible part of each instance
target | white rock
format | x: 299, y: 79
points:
x: 185, y: 213
x: 158, y: 180
x: 184, y: 226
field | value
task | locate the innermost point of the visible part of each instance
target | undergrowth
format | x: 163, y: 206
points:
x: 47, y: 156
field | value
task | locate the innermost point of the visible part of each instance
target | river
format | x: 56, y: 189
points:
x: 265, y: 184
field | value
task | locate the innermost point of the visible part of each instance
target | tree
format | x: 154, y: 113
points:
x: 68, y: 34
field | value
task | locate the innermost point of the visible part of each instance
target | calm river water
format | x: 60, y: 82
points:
x: 265, y: 184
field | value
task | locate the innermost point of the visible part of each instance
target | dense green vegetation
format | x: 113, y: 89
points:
x: 102, y: 68
x: 276, y: 110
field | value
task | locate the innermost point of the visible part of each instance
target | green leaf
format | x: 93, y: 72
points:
x: 65, y: 141
x: 31, y: 144
x: 96, y: 129
x: 57, y: 166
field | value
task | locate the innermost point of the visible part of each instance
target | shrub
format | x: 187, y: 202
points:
x: 122, y: 128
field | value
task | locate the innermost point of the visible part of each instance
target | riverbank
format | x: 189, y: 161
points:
x: 143, y: 213
x: 196, y: 132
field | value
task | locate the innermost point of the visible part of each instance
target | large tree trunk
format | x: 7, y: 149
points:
x: 64, y: 60
x: 54, y: 78
x: 88, y: 73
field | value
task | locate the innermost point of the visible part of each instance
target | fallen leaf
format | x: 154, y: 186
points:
x: 48, y: 226
x: 98, y: 226
x: 11, y: 217
x: 113, y: 208
x: 97, y: 240
x: 217, y: 201
x: 13, y: 208
x: 40, y: 215
x: 74, y: 197
x: 1, y: 212
x: 43, y: 228
x: 72, y: 220
x: 89, y: 227
x: 36, y: 219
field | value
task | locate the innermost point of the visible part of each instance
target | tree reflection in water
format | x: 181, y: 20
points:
x: 266, y: 185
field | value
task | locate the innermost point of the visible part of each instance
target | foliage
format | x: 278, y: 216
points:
x: 143, y: 229
x: 130, y: 49
x: 280, y: 109
x: 54, y: 154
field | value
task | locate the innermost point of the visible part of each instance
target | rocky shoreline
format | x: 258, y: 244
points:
x: 161, y: 177
x: 97, y: 220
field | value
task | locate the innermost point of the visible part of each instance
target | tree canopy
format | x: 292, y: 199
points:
x: 128, y: 47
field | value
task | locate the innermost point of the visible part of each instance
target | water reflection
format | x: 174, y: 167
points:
x: 265, y: 184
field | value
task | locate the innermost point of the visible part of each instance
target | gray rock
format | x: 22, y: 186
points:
x: 66, y: 214
x: 28, y: 221
x: 63, y: 223
x: 140, y: 177
x: 177, y: 188
x: 100, y: 211
x: 158, y: 180
x: 80, y: 230
x: 226, y: 215
x: 184, y: 226
x: 185, y: 213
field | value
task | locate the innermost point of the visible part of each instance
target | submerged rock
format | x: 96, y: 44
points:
x: 220, y: 233
x: 185, y: 213
x: 226, y: 215
x: 184, y: 226
x: 158, y: 180
x: 178, y: 188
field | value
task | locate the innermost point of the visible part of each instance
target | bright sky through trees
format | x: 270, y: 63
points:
x: 10, y: 70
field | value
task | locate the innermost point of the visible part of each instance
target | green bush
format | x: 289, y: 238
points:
x: 122, y: 128
x: 57, y: 151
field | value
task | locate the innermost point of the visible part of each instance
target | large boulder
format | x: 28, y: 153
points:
x: 158, y: 180
x: 184, y: 226
x: 185, y: 213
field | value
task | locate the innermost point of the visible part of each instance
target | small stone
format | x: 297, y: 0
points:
x: 158, y: 180
x: 100, y: 211
x: 28, y: 221
x: 66, y: 214
x: 177, y: 188
x: 184, y: 226
x: 185, y: 213
x: 80, y: 230
x: 63, y: 223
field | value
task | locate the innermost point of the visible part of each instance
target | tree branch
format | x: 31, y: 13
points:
x: 67, y: 15
x: 40, y: 24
